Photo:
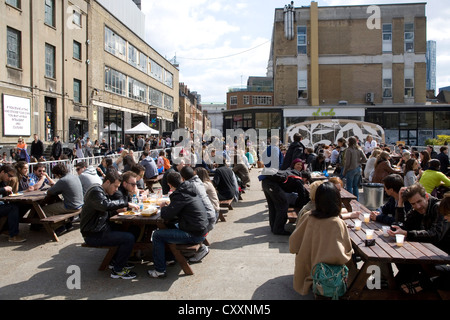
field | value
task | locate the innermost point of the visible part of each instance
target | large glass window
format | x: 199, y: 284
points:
x: 168, y: 79
x: 156, y: 71
x: 115, y: 44
x: 408, y: 120
x: 156, y: 98
x: 50, y: 61
x: 115, y: 81
x: 13, y: 48
x: 133, y: 55
x: 49, y: 18
x: 262, y: 100
x: 301, y: 39
x: 168, y: 102
x: 303, y: 84
x: 233, y: 100
x: 143, y: 63
x: 387, y: 83
x: 137, y: 90
x: 390, y: 120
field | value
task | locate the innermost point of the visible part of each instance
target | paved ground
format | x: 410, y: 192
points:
x: 246, y: 262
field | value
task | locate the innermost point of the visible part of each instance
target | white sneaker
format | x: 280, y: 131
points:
x: 156, y: 274
x: 204, y: 250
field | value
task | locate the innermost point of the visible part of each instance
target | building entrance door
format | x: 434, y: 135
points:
x: 50, y: 118
x: 409, y: 136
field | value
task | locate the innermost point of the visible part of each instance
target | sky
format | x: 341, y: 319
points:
x: 220, y: 43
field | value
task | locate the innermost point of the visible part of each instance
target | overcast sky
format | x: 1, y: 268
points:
x: 220, y: 43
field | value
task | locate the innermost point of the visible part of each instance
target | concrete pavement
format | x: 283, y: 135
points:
x: 246, y: 261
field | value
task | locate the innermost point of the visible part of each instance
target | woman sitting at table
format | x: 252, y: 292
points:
x: 22, y: 177
x: 433, y: 178
x: 424, y: 159
x: 320, y: 237
x: 382, y: 167
x: 410, y: 176
x: 370, y: 164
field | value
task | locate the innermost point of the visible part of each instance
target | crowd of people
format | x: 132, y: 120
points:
x: 416, y: 186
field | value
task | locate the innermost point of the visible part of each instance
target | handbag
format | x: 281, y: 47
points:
x: 329, y: 280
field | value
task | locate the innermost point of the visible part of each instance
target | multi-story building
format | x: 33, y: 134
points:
x: 191, y: 114
x: 214, y: 112
x: 81, y: 68
x: 360, y: 63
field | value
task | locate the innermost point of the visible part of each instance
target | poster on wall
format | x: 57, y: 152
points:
x: 16, y: 116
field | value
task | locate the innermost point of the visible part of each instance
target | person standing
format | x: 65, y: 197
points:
x: 88, y: 147
x: 103, y: 147
x: 37, y: 147
x: 354, y: 158
x: 369, y: 145
x: 296, y: 150
x: 443, y: 159
x: 56, y: 148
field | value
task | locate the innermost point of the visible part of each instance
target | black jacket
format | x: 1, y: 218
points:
x: 295, y: 150
x: 443, y: 159
x: 56, y: 150
x: 37, y: 149
x: 186, y: 208
x: 429, y: 227
x: 97, y: 210
x: 224, y: 183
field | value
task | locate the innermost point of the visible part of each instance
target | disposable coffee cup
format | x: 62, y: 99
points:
x: 366, y: 217
x: 358, y: 225
x: 385, y: 231
x: 399, y: 238
x: 369, y: 234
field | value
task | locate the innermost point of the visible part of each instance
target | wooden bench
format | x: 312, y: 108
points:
x: 292, y: 215
x: 225, y: 205
x: 150, y: 182
x: 179, y: 251
x: 51, y: 222
x: 106, y: 261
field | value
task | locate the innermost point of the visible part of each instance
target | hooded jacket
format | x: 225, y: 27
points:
x: 187, y: 208
x: 88, y: 178
x: 97, y: 210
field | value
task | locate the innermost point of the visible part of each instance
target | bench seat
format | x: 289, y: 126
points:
x: 60, y: 217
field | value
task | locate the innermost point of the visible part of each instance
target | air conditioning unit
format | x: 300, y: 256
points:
x: 370, y: 97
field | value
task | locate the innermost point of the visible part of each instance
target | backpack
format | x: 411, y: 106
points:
x: 329, y: 280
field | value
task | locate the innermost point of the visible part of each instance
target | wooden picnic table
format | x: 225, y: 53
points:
x: 346, y: 197
x: 383, y: 254
x: 37, y: 215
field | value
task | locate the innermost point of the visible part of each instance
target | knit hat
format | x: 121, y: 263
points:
x: 296, y: 161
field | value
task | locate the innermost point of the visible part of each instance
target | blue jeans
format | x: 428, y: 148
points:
x: 12, y: 212
x: 353, y: 177
x: 124, y: 240
x: 163, y: 236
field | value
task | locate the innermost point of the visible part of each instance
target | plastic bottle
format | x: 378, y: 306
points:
x: 30, y: 182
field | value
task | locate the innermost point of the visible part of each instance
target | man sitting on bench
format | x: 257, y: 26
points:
x: 95, y: 226
x: 69, y: 186
x: 192, y: 222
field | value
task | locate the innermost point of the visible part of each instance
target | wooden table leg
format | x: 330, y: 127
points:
x: 42, y: 215
x: 357, y: 286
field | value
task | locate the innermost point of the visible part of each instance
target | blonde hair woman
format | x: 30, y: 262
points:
x: 370, y: 164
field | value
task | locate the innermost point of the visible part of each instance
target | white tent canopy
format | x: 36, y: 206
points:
x: 142, y: 128
x: 112, y: 127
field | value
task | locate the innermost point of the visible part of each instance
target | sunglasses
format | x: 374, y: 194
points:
x: 133, y: 184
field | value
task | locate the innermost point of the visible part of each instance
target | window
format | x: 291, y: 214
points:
x: 168, y: 102
x: 168, y: 79
x: 14, y: 3
x: 409, y: 37
x: 13, y: 47
x: 303, y: 84
x: 76, y: 18
x: 233, y: 101
x: 409, y: 83
x: 50, y: 12
x: 133, y: 54
x: 77, y: 50
x: 262, y: 100
x: 137, y: 90
x: 115, y: 44
x: 115, y: 81
x: 301, y: 39
x: 246, y: 99
x: 156, y: 71
x: 143, y: 63
x: 50, y: 61
x: 387, y: 83
x: 76, y: 91
x: 387, y: 37
x: 156, y: 98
